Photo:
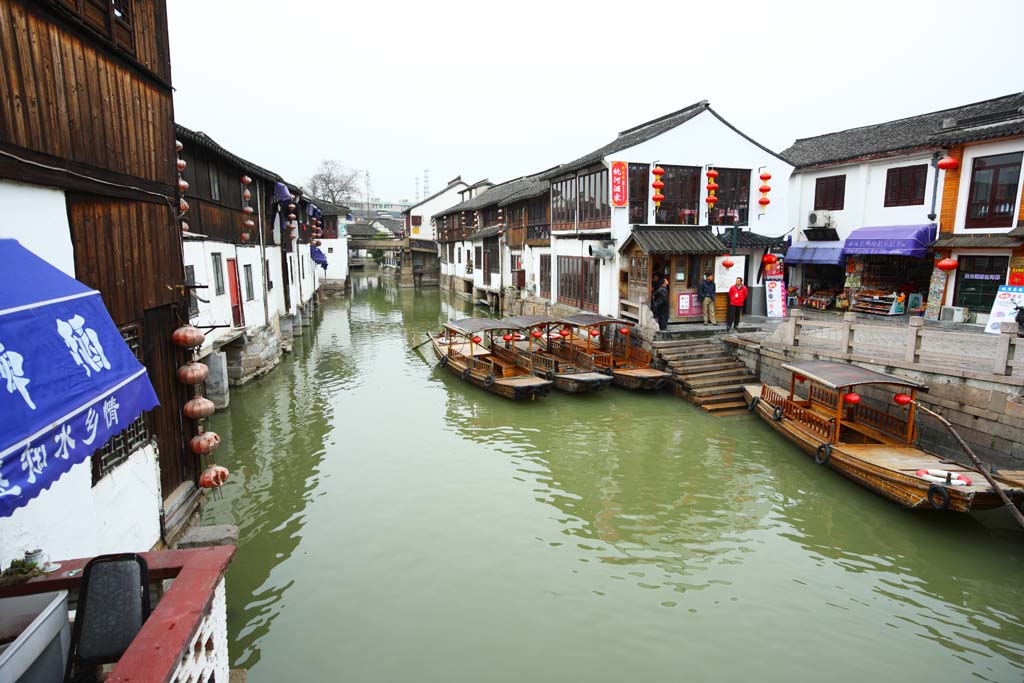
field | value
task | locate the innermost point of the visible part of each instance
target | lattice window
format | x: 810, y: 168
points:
x: 135, y: 436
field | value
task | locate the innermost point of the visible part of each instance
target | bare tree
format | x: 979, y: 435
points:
x: 333, y: 182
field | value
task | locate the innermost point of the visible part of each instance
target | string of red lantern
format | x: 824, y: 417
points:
x: 658, y: 186
x: 181, y: 165
x: 712, y: 186
x: 248, y: 224
x: 764, y: 190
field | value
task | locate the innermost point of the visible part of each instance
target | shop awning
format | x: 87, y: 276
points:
x: 820, y: 253
x: 893, y: 240
x: 662, y: 239
x: 68, y: 381
x: 319, y: 257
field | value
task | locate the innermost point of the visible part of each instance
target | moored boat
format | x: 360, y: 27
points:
x: 873, y: 447
x: 571, y: 370
x: 606, y: 341
x: 460, y: 350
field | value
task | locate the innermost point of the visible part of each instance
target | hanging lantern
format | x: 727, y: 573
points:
x: 246, y: 180
x: 246, y: 195
x: 184, y: 226
x: 507, y: 337
x: 205, y: 443
x: 851, y: 398
x: 182, y: 185
x: 181, y: 165
x: 658, y: 197
x: 658, y: 185
x: 712, y: 187
x: 902, y: 399
x: 728, y: 263
x: 594, y: 332
x: 182, y: 205
x: 178, y: 146
x: 193, y: 373
x: 249, y: 223
x: 477, y: 339
x: 537, y: 334
x: 764, y: 189
x: 213, y: 477
x: 291, y: 207
x: 292, y: 217
x: 948, y: 163
x: 764, y: 201
x: 711, y: 200
x: 188, y: 337
x: 564, y: 333
x: 711, y: 173
x: 769, y: 259
x: 244, y: 237
x: 765, y: 177
x: 624, y: 331
x: 198, y: 408
x: 248, y: 210
x: 947, y: 264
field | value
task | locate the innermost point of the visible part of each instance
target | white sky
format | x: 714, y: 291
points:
x: 502, y: 89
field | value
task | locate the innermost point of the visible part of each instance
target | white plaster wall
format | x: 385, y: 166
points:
x: 253, y: 311
x: 38, y: 218
x: 293, y: 283
x: 216, y: 310
x: 426, y: 210
x: 276, y: 282
x: 336, y: 251
x: 970, y: 154
x: 74, y: 519
x: 305, y: 268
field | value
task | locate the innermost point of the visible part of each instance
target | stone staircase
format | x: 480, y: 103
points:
x: 706, y: 373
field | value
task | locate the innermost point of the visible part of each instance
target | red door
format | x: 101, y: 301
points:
x: 236, y: 294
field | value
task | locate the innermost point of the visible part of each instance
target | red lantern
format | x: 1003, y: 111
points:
x: 244, y: 237
x: 712, y: 187
x: 852, y: 398
x: 537, y: 334
x: 711, y: 173
x: 766, y: 176
x: 181, y: 165
x: 182, y: 185
x: 188, y: 337
x: 948, y: 163
x: 764, y: 188
x: 727, y: 264
x: 624, y: 331
x: 477, y: 339
x: 291, y: 207
x: 658, y: 198
x: 205, y: 443
x: 249, y: 223
x: 213, y: 477
x: 769, y: 259
x: 764, y: 201
x: 292, y: 217
x: 182, y: 205
x: 947, y: 264
x: 507, y: 337
x: 658, y: 185
x: 657, y: 171
x: 246, y: 180
x: 246, y: 195
x: 564, y: 332
x: 712, y: 199
x: 247, y: 210
x: 902, y: 399
x: 198, y: 408
x: 178, y: 146
x: 184, y: 226
x: 594, y: 332
x: 193, y: 373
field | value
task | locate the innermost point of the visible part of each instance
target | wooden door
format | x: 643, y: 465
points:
x: 237, y: 315
x: 681, y: 282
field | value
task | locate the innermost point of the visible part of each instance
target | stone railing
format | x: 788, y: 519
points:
x: 910, y: 346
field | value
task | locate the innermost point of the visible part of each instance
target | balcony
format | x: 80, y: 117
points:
x: 185, y: 636
x: 538, y: 235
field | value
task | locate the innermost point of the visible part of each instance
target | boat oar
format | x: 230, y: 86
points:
x: 977, y: 463
x: 422, y: 343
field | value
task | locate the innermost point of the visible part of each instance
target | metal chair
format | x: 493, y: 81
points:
x: 113, y: 604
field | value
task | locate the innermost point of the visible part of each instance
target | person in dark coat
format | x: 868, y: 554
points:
x: 706, y: 296
x: 659, y: 303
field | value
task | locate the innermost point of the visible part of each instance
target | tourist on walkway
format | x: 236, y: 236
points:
x: 659, y: 303
x: 706, y: 296
x: 737, y: 297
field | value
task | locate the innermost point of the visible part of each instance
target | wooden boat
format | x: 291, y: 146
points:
x: 571, y: 370
x: 870, y: 446
x: 460, y: 350
x: 606, y: 342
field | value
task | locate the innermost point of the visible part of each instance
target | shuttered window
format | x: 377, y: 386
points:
x: 829, y: 193
x: 905, y: 186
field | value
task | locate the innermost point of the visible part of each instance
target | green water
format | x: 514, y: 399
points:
x: 399, y: 525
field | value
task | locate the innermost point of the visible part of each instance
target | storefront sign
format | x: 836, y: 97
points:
x: 1003, y: 310
x: 687, y: 305
x: 1017, y: 271
x: 620, y: 188
x: 726, y: 277
x: 775, y: 290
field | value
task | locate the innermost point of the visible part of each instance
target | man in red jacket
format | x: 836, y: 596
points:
x: 737, y: 297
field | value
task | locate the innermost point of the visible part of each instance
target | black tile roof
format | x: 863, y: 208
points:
x: 451, y: 183
x: 329, y: 208
x: 684, y: 239
x: 745, y: 239
x: 1006, y: 241
x: 201, y: 139
x: 493, y: 196
x: 997, y: 117
x: 485, y: 233
x: 363, y: 230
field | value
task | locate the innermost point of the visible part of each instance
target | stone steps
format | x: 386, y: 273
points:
x: 710, y: 402
x: 705, y: 392
x: 676, y: 354
x: 705, y: 362
x: 735, y: 379
x: 720, y: 370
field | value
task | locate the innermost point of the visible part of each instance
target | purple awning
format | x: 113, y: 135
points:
x: 894, y: 240
x: 319, y: 257
x: 828, y: 253
x: 281, y: 193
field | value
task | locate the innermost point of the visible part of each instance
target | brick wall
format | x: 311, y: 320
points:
x: 950, y: 191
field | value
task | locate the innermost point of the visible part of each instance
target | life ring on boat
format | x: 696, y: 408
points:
x: 943, y: 502
x: 444, y: 361
x: 465, y: 373
x: 778, y: 413
x: 549, y: 376
x: 823, y: 453
x: 609, y: 372
x: 944, y: 477
x: 545, y: 390
x: 488, y: 380
x: 753, y: 403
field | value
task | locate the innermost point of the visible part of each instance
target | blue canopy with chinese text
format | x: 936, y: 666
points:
x: 68, y: 381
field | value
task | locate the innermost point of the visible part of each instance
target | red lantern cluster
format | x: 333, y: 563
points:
x: 902, y: 399
x: 182, y: 187
x: 712, y: 186
x: 948, y: 163
x: 947, y: 264
x: 851, y: 398
x: 658, y: 185
x: 764, y: 190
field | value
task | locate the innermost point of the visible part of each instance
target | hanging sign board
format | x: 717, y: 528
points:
x: 1003, y: 307
x: 775, y: 290
x: 726, y: 277
x: 686, y: 305
x: 620, y: 188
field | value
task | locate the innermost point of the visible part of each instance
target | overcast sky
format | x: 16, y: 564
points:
x: 503, y: 89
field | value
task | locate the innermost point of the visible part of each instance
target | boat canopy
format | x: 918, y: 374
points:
x: 591, y: 319
x: 835, y: 375
x: 527, y: 321
x: 474, y: 325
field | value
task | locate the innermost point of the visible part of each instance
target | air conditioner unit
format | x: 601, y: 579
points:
x: 955, y: 314
x: 819, y: 219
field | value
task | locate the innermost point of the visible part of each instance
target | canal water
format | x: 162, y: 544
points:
x: 397, y: 524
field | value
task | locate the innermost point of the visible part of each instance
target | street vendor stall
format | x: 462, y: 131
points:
x: 887, y: 267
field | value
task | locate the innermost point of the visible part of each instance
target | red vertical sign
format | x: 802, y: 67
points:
x: 620, y: 193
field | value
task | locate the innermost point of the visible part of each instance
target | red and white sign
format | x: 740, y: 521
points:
x: 620, y: 189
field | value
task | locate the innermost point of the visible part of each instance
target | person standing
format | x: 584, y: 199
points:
x: 737, y: 297
x: 706, y: 296
x: 659, y: 303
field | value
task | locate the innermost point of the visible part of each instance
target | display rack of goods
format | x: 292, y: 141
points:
x: 821, y: 299
x: 879, y: 302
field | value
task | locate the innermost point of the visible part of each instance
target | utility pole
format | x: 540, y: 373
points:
x: 426, y: 183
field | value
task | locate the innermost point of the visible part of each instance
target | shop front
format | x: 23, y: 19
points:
x: 983, y: 264
x: 889, y: 268
x: 818, y: 271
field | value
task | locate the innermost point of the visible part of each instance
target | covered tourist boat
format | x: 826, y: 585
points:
x: 870, y: 446
x: 461, y: 350
x: 606, y: 342
x: 539, y: 350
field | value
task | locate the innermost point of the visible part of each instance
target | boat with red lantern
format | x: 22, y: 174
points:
x: 610, y: 350
x: 460, y: 348
x: 873, y: 447
x: 540, y: 349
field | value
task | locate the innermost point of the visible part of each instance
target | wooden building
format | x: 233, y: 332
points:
x: 87, y: 171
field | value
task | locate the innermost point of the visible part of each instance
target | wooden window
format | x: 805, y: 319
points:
x: 545, y: 275
x: 563, y: 203
x: 993, y: 196
x: 639, y: 181
x: 249, y: 293
x: 682, y: 196
x: 193, y: 298
x: 490, y: 216
x: 978, y: 279
x: 218, y: 273
x: 111, y: 19
x: 214, y: 182
x: 270, y: 283
x: 515, y: 262
x: 904, y: 186
x: 733, y: 194
x: 136, y: 435
x: 829, y: 193
x: 594, y: 204
x: 478, y: 254
x: 417, y: 221
x: 459, y: 254
x: 451, y: 253
x: 578, y: 279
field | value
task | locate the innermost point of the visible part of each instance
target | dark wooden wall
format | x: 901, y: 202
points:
x: 69, y: 98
